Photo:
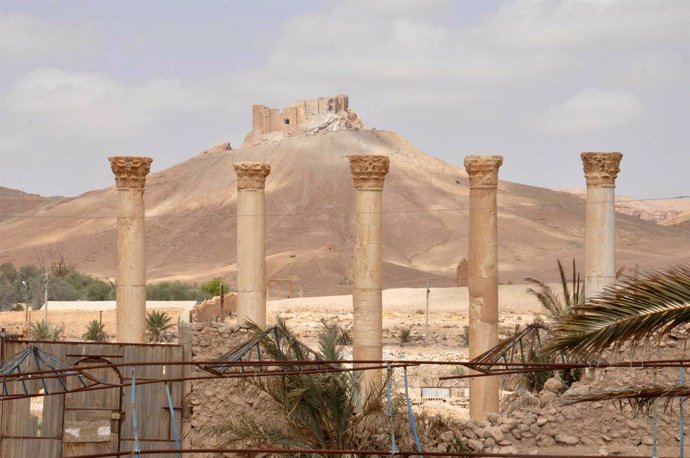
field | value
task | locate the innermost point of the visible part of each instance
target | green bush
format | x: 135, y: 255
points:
x: 405, y: 335
x: 212, y: 287
x: 26, y: 284
x: 95, y: 332
x: 174, y: 291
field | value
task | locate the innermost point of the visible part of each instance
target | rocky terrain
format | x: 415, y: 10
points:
x: 545, y: 425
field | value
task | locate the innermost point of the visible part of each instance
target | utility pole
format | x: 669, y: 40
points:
x: 426, y: 326
x: 46, y: 280
x: 222, y: 302
x: 26, y: 303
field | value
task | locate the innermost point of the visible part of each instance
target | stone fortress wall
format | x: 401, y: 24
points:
x: 297, y: 115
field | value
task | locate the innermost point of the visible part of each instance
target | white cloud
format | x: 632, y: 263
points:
x: 93, y: 104
x: 524, y: 42
x: 512, y: 78
x: 23, y: 36
x: 591, y: 110
x: 11, y: 143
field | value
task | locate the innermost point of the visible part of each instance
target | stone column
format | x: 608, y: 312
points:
x: 130, y: 294
x: 601, y: 170
x: 251, y: 240
x: 482, y: 279
x: 368, y: 173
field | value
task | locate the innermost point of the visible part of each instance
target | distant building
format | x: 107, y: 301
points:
x: 296, y: 116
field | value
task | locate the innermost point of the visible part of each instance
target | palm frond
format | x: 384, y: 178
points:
x: 564, y: 282
x: 254, y: 431
x: 546, y: 297
x: 633, y: 311
x: 640, y: 398
x: 520, y: 399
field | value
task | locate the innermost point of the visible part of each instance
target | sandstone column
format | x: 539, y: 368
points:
x: 482, y: 279
x: 601, y: 170
x: 368, y: 173
x: 130, y: 178
x: 251, y: 235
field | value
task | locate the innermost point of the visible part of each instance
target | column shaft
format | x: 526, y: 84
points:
x: 601, y: 170
x: 251, y: 257
x: 367, y: 318
x: 368, y: 173
x: 600, y: 240
x: 130, y: 294
x: 483, y: 277
x: 251, y: 243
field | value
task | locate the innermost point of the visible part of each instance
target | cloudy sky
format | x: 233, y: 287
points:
x: 536, y: 81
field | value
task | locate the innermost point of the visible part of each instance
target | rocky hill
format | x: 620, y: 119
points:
x: 14, y: 203
x: 310, y: 222
x: 667, y: 212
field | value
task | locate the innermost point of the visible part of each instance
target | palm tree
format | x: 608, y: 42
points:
x: 310, y: 411
x: 156, y: 325
x: 632, y: 311
x: 557, y: 306
x: 42, y: 330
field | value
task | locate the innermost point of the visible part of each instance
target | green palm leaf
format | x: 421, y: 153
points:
x: 634, y: 311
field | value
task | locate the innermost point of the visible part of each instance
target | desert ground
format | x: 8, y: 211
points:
x: 402, y: 307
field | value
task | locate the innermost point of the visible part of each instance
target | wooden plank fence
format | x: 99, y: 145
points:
x: 95, y: 421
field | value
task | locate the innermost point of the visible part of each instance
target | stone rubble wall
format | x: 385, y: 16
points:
x: 210, y: 402
x: 209, y: 310
x: 600, y: 427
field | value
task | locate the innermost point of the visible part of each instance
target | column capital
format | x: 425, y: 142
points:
x: 252, y: 175
x: 130, y: 171
x: 369, y: 171
x: 483, y: 170
x: 601, y: 169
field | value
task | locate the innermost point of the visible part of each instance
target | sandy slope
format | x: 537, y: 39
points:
x: 310, y: 224
x: 667, y: 212
x: 14, y: 203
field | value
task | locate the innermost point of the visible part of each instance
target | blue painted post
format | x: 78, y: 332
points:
x: 654, y: 423
x: 173, y: 421
x: 681, y: 379
x: 135, y: 423
x: 413, y: 425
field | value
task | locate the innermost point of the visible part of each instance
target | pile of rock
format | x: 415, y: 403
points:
x: 491, y: 436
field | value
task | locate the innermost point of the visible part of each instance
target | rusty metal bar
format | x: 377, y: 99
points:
x: 667, y: 363
x: 205, y: 377
x: 335, y: 452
